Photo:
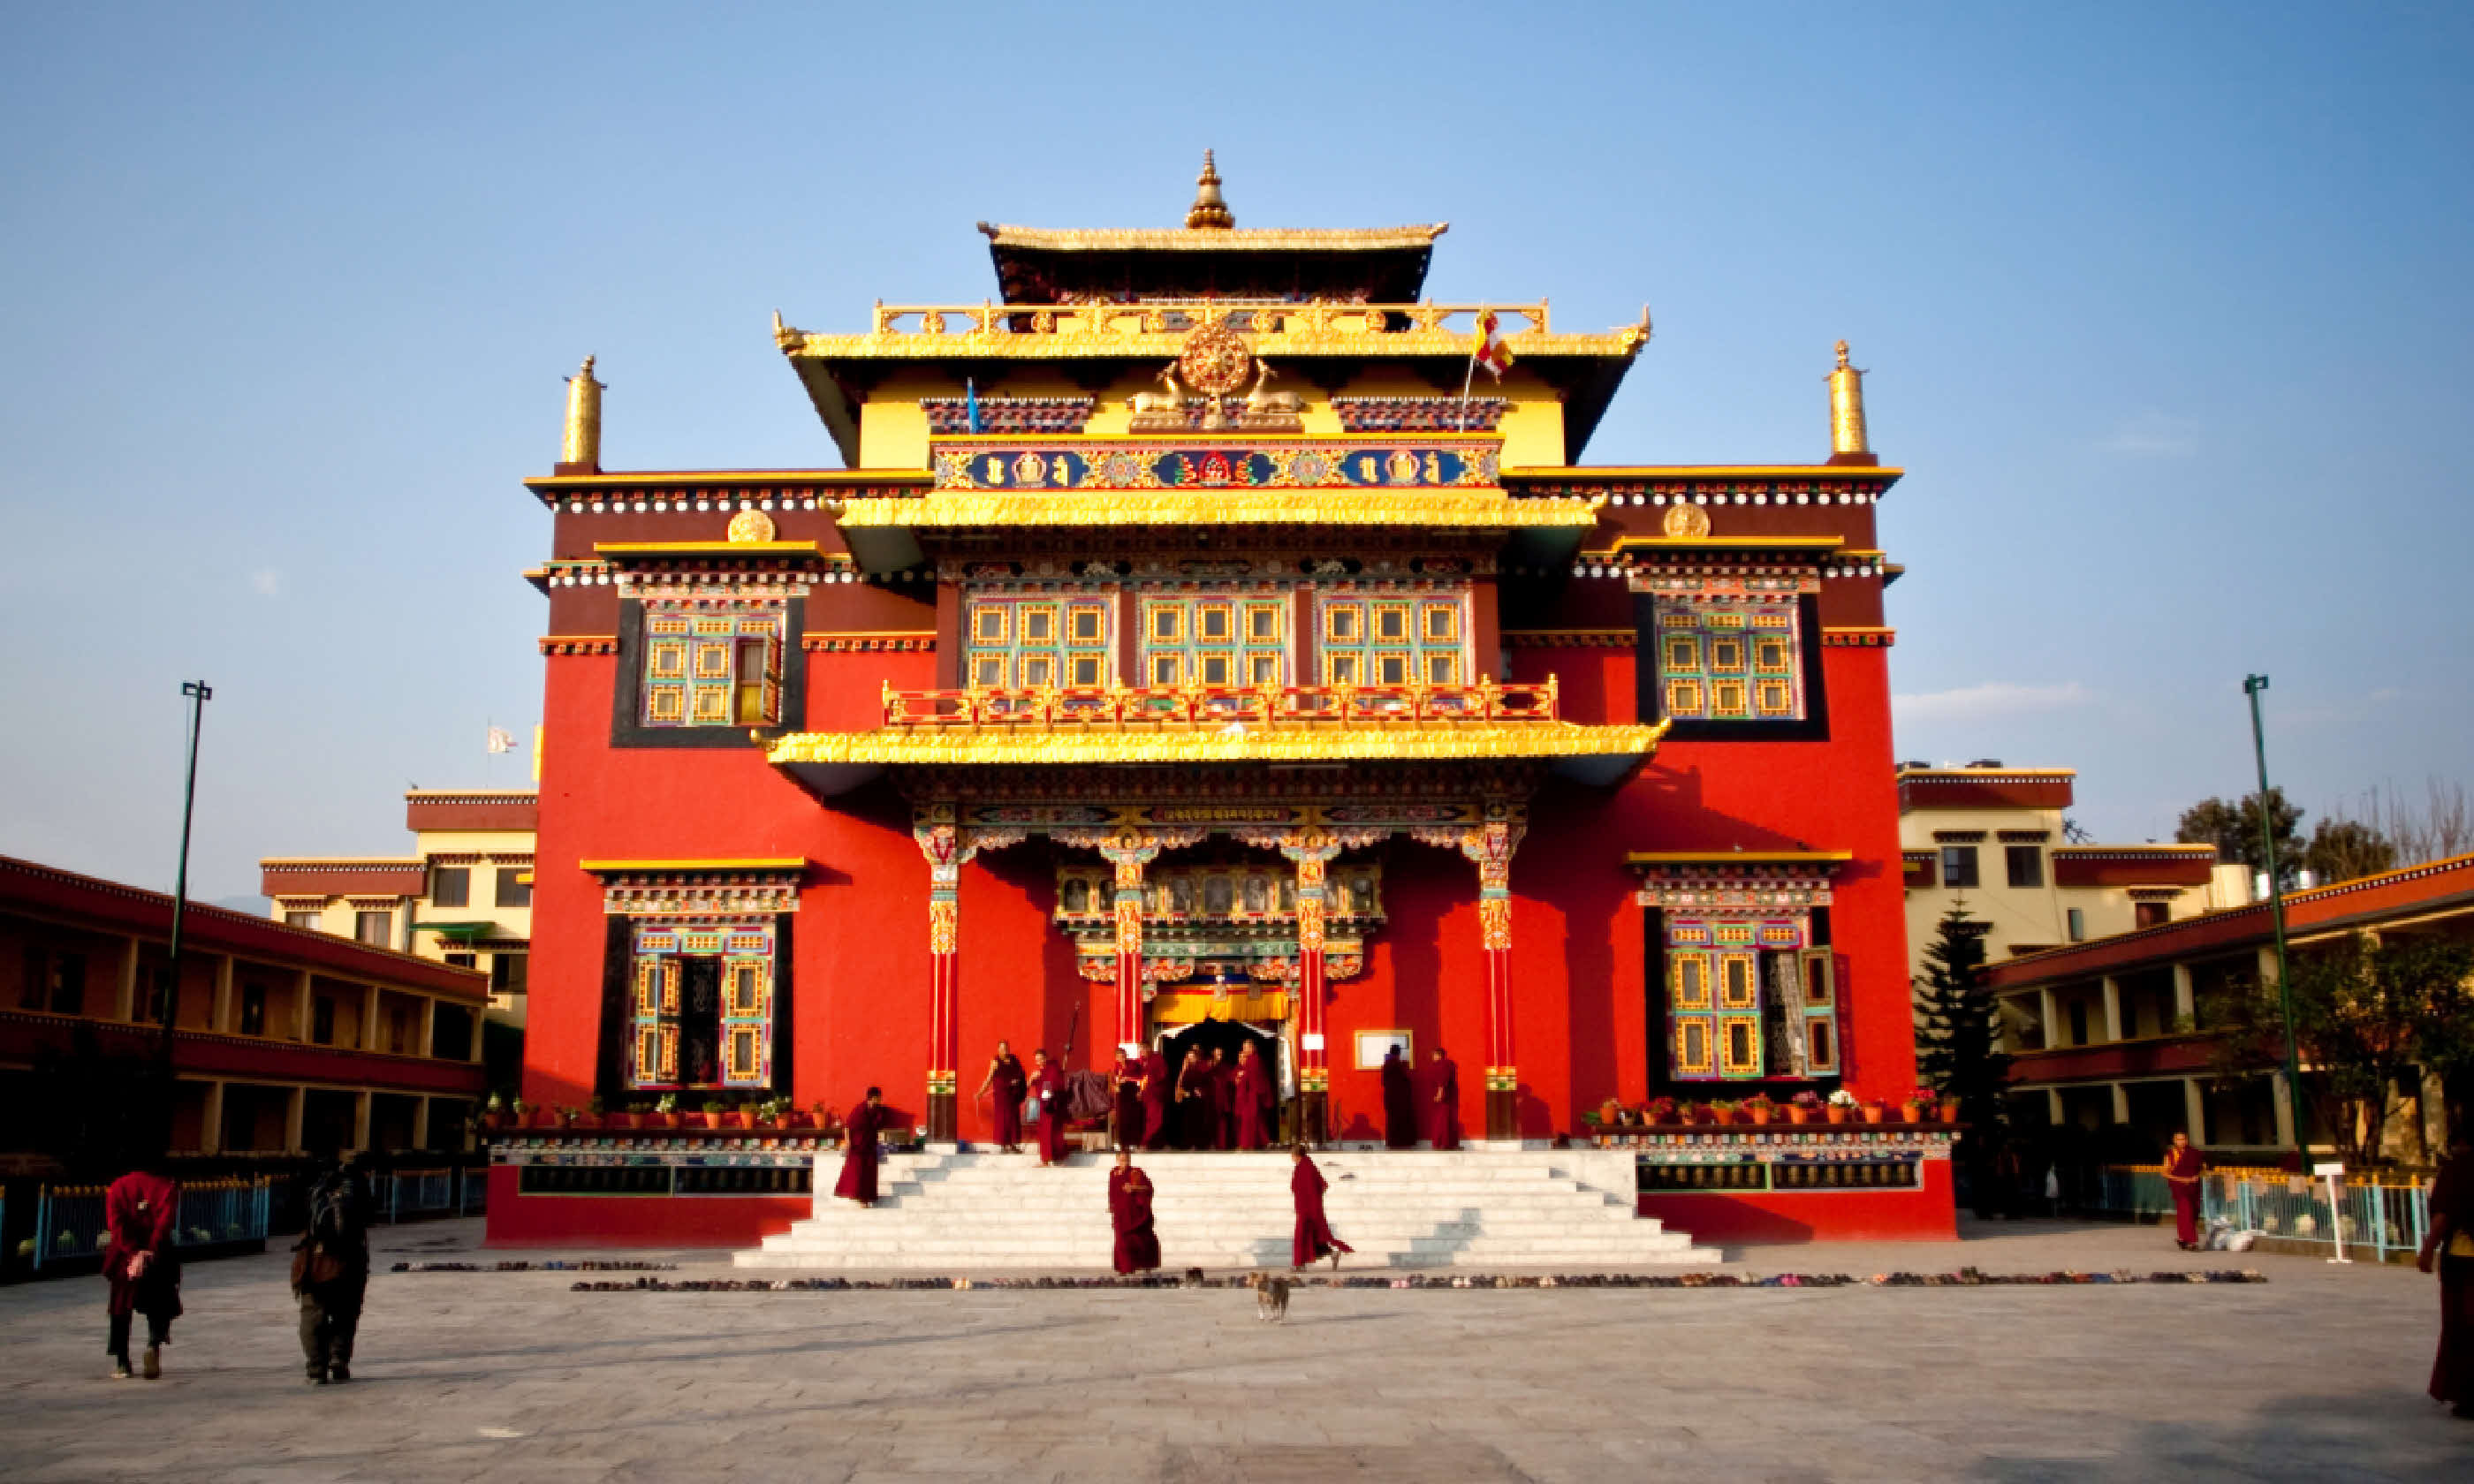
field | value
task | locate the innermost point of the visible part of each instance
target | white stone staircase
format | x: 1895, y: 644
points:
x: 963, y: 1212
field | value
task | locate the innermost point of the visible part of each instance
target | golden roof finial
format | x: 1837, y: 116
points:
x: 1847, y: 438
x: 582, y: 451
x: 1210, y: 209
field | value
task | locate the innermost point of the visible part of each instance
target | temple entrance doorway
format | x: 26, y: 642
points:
x: 1187, y: 1125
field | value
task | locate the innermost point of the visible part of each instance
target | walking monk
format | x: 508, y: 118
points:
x: 2451, y: 1242
x: 1005, y: 1079
x: 1048, y: 1084
x: 1399, y: 1102
x: 142, y: 1210
x: 1130, y: 1212
x: 858, y: 1148
x: 1154, y: 1090
x: 1440, y: 1098
x: 1314, y: 1237
x: 2182, y: 1167
x: 1250, y: 1091
x: 1224, y: 1100
x: 1126, y: 1078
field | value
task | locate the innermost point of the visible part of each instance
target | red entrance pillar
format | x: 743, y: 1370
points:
x: 1127, y: 1021
x: 1314, y: 1057
x: 941, y: 842
x: 1490, y: 845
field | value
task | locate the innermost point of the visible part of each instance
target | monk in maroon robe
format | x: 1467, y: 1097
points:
x: 1438, y: 1095
x: 1314, y: 1237
x: 858, y: 1148
x: 1399, y: 1102
x: 2182, y: 1167
x: 1154, y: 1093
x: 1129, y: 1212
x: 1048, y: 1084
x: 1250, y: 1091
x: 2450, y: 1246
x: 141, y: 1209
x: 1126, y: 1078
x: 1224, y: 1101
x: 1194, y: 1115
x: 1006, y: 1081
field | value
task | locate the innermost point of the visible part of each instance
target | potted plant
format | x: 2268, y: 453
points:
x: 794, y: 1117
x: 1609, y: 1112
x: 596, y: 1110
x: 665, y: 1111
x: 710, y: 1117
x: 1721, y: 1110
x: 1659, y: 1110
x: 523, y: 1113
x: 1876, y: 1110
x: 1949, y: 1110
x: 1805, y: 1107
x: 496, y: 1116
x: 1911, y: 1109
x: 1841, y: 1106
x: 1760, y: 1109
x: 735, y: 1117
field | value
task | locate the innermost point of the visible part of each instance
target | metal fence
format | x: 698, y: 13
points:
x: 2379, y: 1219
x: 69, y: 1219
x: 409, y: 1195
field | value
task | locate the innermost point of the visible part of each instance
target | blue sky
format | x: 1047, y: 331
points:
x: 2167, y: 310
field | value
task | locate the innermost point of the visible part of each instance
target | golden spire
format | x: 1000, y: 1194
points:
x: 582, y: 453
x: 1209, y: 209
x: 1847, y: 439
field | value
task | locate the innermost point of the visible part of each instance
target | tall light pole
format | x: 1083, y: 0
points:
x: 2252, y: 685
x: 197, y: 695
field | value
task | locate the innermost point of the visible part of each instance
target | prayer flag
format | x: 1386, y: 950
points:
x: 1492, y: 352
x: 500, y: 741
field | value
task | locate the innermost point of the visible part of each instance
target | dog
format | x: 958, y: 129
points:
x: 1270, y: 1298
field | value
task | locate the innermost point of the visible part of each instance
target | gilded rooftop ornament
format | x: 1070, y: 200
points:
x: 1209, y: 212
x: 1846, y: 408
x: 581, y: 451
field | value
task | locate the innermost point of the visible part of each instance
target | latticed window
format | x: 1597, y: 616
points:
x: 701, y: 1006
x: 1036, y: 641
x: 1215, y: 639
x: 1747, y: 999
x: 1729, y: 661
x: 705, y: 667
x: 1376, y: 638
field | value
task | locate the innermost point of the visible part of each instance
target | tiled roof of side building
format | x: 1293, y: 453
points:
x: 2361, y: 902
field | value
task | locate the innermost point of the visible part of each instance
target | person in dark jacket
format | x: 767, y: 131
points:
x: 330, y: 1269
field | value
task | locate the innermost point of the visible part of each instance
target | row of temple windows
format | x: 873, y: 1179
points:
x: 1716, y: 661
x: 1217, y: 639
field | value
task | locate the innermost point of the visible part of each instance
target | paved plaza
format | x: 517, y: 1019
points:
x: 2315, y: 1374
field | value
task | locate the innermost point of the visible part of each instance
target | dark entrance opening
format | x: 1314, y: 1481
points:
x: 1187, y: 1127
x: 700, y: 1021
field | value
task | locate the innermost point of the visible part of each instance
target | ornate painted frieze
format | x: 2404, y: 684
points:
x: 1149, y: 464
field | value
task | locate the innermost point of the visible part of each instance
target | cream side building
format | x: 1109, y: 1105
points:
x: 464, y: 896
x: 1993, y: 838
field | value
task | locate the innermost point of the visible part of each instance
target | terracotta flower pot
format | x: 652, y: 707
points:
x: 661, y: 1120
x: 1877, y: 1112
x: 1911, y: 1112
x: 496, y: 1120
x: 1796, y: 1114
x: 1758, y: 1115
x: 1949, y: 1110
x: 1835, y: 1113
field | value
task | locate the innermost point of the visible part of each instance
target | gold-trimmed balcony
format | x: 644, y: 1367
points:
x: 1292, y: 725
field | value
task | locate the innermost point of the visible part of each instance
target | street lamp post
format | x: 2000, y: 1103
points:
x: 198, y: 694
x: 2252, y: 685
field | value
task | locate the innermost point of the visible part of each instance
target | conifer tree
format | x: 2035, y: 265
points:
x: 1958, y: 1024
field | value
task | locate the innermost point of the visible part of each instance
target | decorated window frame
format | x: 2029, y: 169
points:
x: 1382, y: 636
x: 697, y: 672
x: 1727, y: 658
x: 1749, y: 998
x: 1039, y: 640
x: 701, y: 1010
x: 1231, y: 636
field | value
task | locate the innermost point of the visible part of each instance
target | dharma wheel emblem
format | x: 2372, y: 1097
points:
x: 1686, y: 521
x: 1215, y: 360
x: 751, y: 525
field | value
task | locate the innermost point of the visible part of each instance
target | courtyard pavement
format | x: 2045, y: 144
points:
x: 2318, y: 1374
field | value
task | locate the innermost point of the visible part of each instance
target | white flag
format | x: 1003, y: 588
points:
x: 500, y: 741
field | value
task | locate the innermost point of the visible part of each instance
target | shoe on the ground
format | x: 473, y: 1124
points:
x: 316, y: 1379
x: 153, y: 1362
x: 120, y: 1370
x: 339, y: 1373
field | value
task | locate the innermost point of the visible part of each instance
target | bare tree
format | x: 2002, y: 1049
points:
x: 2439, y: 826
